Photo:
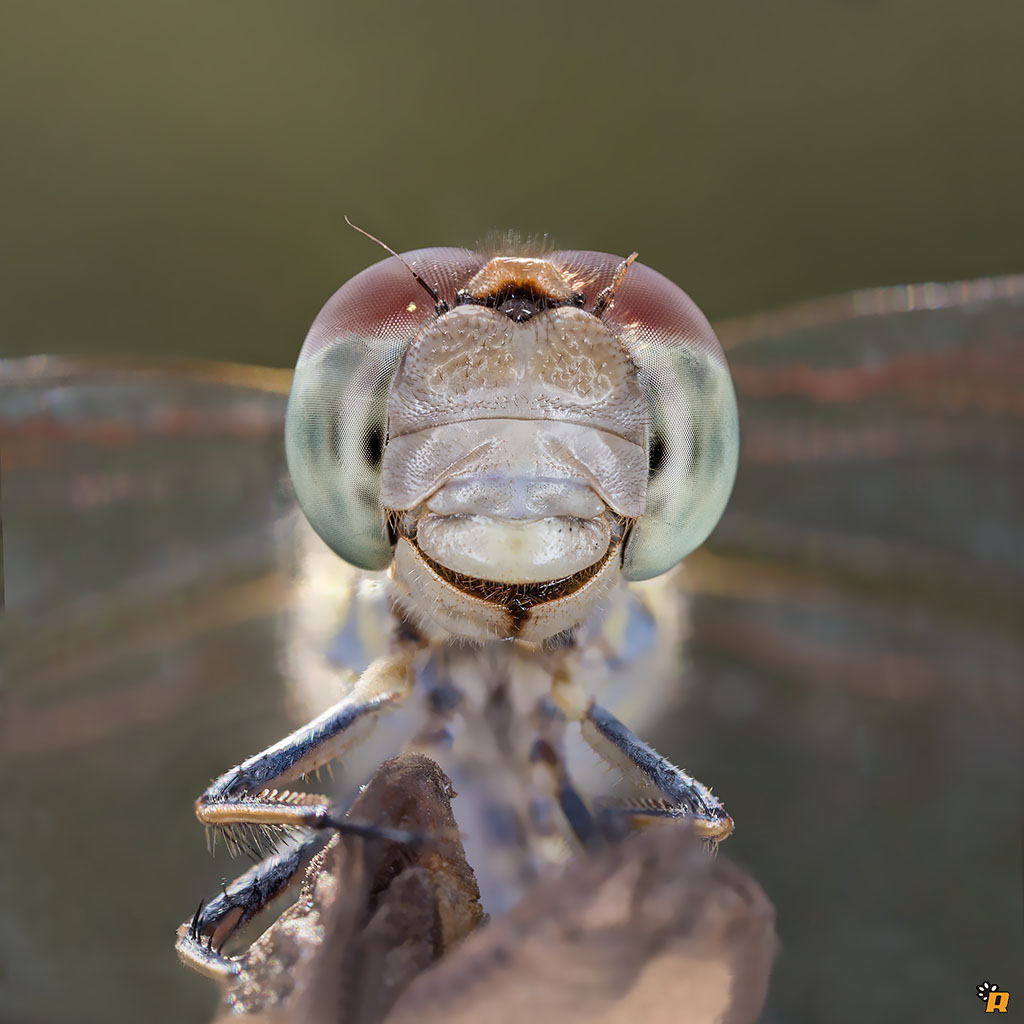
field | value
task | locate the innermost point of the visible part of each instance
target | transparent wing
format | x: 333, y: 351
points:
x: 142, y: 588
x: 857, y: 647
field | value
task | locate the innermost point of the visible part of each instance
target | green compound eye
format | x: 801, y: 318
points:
x: 693, y: 453
x: 336, y: 406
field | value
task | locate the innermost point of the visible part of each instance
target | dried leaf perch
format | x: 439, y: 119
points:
x: 651, y: 929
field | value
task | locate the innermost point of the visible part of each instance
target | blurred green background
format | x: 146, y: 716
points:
x: 175, y: 178
x: 175, y: 175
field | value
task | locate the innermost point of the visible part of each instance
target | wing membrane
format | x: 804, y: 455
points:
x: 857, y: 647
x: 876, y: 517
x: 139, y: 505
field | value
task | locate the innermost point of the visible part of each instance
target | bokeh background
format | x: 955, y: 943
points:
x: 175, y: 175
x: 175, y: 179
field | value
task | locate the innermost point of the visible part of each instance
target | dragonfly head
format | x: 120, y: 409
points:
x: 553, y: 425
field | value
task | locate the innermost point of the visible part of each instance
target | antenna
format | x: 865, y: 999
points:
x: 440, y: 306
x: 604, y: 300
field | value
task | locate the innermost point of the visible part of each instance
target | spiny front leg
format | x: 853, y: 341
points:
x: 201, y: 939
x: 242, y: 804
x: 244, y: 799
x: 684, y: 796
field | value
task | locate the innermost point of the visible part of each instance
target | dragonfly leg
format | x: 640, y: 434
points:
x: 243, y: 805
x: 201, y: 939
x: 243, y: 801
x: 548, y: 754
x: 682, y: 796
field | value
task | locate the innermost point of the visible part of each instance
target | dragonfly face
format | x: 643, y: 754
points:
x: 551, y: 426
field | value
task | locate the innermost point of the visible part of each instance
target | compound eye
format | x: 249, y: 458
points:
x: 333, y: 439
x: 693, y: 437
x: 692, y: 452
x: 335, y: 431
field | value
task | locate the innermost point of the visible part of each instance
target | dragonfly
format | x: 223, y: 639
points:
x: 850, y: 650
x: 513, y: 452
